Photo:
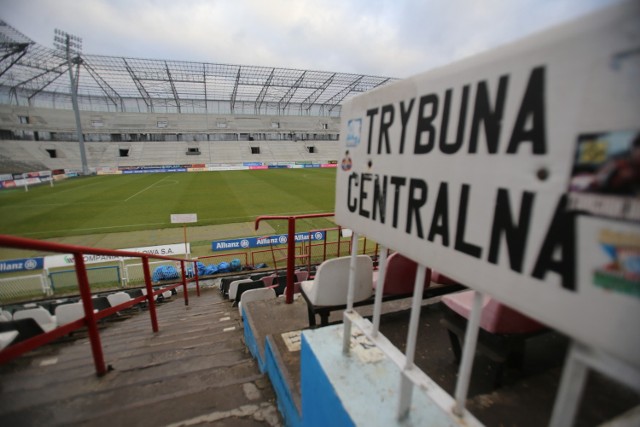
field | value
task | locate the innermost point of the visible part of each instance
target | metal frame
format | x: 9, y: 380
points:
x: 117, y: 84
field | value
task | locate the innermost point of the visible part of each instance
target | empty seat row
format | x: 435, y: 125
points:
x: 35, y: 319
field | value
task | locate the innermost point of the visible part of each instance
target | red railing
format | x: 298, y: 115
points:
x: 90, y: 318
x: 291, y: 244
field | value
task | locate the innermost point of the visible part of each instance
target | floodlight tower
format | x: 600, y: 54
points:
x: 72, y: 45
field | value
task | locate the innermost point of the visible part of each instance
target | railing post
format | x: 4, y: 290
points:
x: 468, y: 354
x: 291, y: 247
x: 406, y: 385
x: 89, y: 317
x: 377, y: 306
x: 184, y: 283
x: 351, y: 290
x: 195, y: 269
x: 339, y: 241
x: 150, y: 300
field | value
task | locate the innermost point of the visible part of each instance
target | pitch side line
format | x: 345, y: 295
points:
x: 145, y: 189
x: 164, y: 223
x: 96, y: 228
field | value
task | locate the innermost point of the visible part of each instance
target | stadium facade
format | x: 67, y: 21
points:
x: 191, y: 105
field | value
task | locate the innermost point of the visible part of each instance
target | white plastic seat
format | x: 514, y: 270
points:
x: 67, y: 313
x: 233, y: 288
x: 5, y: 316
x: 7, y: 338
x: 144, y: 292
x: 331, y: 282
x: 256, y: 295
x: 42, y: 316
x: 118, y: 298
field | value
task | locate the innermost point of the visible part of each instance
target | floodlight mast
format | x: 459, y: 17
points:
x: 69, y: 44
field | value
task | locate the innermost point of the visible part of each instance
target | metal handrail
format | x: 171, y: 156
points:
x: 291, y: 244
x: 90, y: 318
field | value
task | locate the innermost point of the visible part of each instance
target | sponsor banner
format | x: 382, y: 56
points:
x: 71, y: 174
x: 67, y: 260
x: 257, y: 242
x: 302, y: 163
x: 328, y: 165
x: 58, y: 171
x: 33, y: 174
x: 6, y: 177
x: 298, y: 166
x: 252, y: 164
x: 278, y: 166
x: 22, y: 264
x: 159, y: 170
x: 202, y: 169
x: 198, y: 165
x: 258, y: 167
x: 26, y: 181
x: 227, y: 168
x: 8, y: 184
x: 153, y: 167
x: 44, y: 174
x: 109, y: 172
x: 312, y: 166
x: 59, y: 177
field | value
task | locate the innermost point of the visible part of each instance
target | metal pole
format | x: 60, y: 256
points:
x: 89, y: 316
x: 151, y: 302
x: 406, y: 386
x: 377, y: 306
x: 195, y: 269
x: 346, y: 334
x: 184, y: 283
x: 76, y: 110
x: 291, y: 247
x: 468, y: 353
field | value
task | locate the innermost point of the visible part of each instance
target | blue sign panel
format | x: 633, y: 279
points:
x: 257, y: 242
x: 23, y: 264
x: 157, y: 170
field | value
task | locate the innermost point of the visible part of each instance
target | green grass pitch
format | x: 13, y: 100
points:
x: 115, y: 203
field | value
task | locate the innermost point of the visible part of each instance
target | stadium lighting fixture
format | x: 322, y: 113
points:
x: 71, y: 46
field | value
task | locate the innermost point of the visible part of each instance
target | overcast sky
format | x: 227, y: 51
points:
x: 396, y: 38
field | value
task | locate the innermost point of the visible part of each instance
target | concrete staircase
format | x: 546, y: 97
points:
x: 195, y: 370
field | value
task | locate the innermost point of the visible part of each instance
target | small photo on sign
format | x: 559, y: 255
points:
x: 621, y: 272
x: 607, y: 163
x: 605, y: 178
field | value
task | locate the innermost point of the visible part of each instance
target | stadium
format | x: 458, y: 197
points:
x: 292, y: 275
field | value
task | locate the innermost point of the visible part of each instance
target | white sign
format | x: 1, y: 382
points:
x: 67, y: 260
x: 183, y: 218
x: 465, y: 168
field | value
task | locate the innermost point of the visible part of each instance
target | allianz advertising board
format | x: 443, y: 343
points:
x: 258, y: 242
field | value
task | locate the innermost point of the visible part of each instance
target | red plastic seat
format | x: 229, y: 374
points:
x: 496, y: 317
x: 400, y: 276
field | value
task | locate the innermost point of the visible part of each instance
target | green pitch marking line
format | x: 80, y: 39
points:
x: 145, y: 189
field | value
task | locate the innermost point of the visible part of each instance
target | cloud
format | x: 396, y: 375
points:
x: 381, y: 37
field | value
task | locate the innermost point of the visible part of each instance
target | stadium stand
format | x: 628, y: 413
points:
x: 136, y: 112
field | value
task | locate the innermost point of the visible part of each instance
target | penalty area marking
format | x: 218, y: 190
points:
x: 145, y: 189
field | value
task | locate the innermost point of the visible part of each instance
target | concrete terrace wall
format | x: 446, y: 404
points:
x: 143, y: 153
x: 12, y: 118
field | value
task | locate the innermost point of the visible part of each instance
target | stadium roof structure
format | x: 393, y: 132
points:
x: 36, y: 76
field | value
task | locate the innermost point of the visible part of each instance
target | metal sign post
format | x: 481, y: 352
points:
x: 184, y: 219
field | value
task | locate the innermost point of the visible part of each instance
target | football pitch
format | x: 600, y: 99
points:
x: 120, y: 203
